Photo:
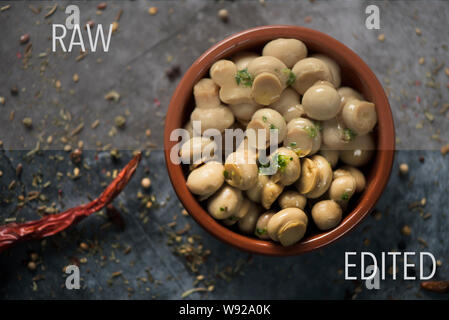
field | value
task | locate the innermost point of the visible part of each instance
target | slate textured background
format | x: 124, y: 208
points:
x: 141, y: 51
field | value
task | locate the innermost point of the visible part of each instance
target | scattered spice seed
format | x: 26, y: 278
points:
x: 120, y: 122
x: 102, y: 6
x: 14, y: 90
x: 223, y: 15
x: 421, y: 60
x: 112, y: 95
x: 27, y: 122
x: 19, y: 170
x: 173, y: 73
x: 189, y: 292
x: 58, y: 84
x: 148, y: 132
x: 95, y: 124
x: 76, y: 155
x: 406, y: 231
x: 418, y: 31
x: 2, y: 100
x: 32, y: 266
x: 52, y: 10
x: 24, y: 38
x: 145, y: 183
x: 308, y: 19
x: 446, y: 71
x: 4, y: 8
x: 34, y: 256
x: 403, y: 168
x: 436, y: 286
x: 381, y: 37
x: 67, y: 148
x: 152, y: 10
x: 444, y: 149
x: 89, y: 23
x: 75, y: 77
x: 84, y: 246
x: 115, y: 26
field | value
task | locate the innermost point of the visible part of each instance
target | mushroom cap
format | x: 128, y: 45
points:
x: 225, y: 203
x: 287, y: 226
x: 296, y: 111
x: 358, y: 176
x: 333, y: 66
x: 342, y: 189
x: 307, y: 72
x: 219, y: 118
x: 207, y: 179
x: 359, y: 151
x: 197, y: 150
x: 326, y: 214
x: 244, y: 111
x: 359, y: 116
x: 289, y: 51
x: 324, y: 177
x: 255, y: 192
x: 243, y: 58
x: 206, y: 94
x: 334, y: 137
x: 321, y: 102
x: 248, y: 223
x: 269, y: 120
x: 288, y: 98
x: 309, y: 176
x: 300, y: 137
x: 270, y: 193
x: 292, y: 199
x: 347, y: 93
x: 241, y: 212
x: 331, y: 156
x: 267, y: 88
x: 289, y: 169
x: 261, y: 230
x: 241, y: 170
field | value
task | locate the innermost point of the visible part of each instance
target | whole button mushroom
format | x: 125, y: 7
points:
x: 270, y: 192
x: 347, y: 93
x: 292, y: 199
x: 242, y: 59
x: 241, y: 212
x: 303, y: 136
x: 334, y: 68
x: 321, y: 102
x: 288, y: 166
x: 331, y: 156
x: 296, y: 111
x: 209, y: 111
x: 309, y: 176
x: 335, y: 135
x: 248, y: 223
x: 255, y: 192
x: 324, y: 177
x: 197, y: 151
x: 359, y: 116
x: 326, y: 214
x: 244, y: 111
x: 358, y: 176
x: 307, y: 72
x: 270, y: 121
x: 342, y: 189
x: 224, y: 72
x: 340, y: 173
x: 288, y: 226
x: 288, y: 98
x: 270, y: 79
x: 289, y: 51
x: 206, y: 180
x: 261, y: 225
x: 241, y: 169
x: 359, y: 151
x: 225, y: 203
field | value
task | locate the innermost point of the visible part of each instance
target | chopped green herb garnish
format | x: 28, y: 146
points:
x: 223, y: 209
x: 273, y: 127
x: 264, y: 119
x: 233, y: 218
x: 226, y: 174
x: 312, y: 131
x: 260, y: 232
x: 349, y: 135
x: 292, y: 144
x: 291, y: 76
x: 318, y: 126
x: 345, y: 196
x: 243, y: 77
x: 282, y: 161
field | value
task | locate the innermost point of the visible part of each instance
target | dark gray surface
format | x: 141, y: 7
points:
x: 135, y: 67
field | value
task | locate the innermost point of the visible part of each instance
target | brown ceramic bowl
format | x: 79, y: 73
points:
x: 355, y: 73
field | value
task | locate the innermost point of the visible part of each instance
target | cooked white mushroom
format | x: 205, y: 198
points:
x: 289, y: 51
x: 347, y: 93
x: 242, y: 59
x: 359, y: 116
x: 359, y: 151
x: 307, y: 72
x: 303, y: 136
x: 358, y: 176
x: 267, y: 121
x: 288, y: 226
x: 225, y: 203
x: 342, y: 189
x: 240, y: 214
x: 241, y: 169
x: 270, y: 192
x: 331, y: 156
x: 206, y: 180
x: 288, y: 166
x: 255, y: 193
x: 261, y: 230
x: 292, y: 199
x: 334, y: 68
x: 248, y: 223
x: 321, y: 102
x: 326, y: 214
x: 324, y: 177
x: 197, y: 150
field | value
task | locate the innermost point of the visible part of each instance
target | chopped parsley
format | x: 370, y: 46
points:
x: 292, y: 144
x: 273, y: 127
x: 223, y: 209
x: 345, y: 196
x: 312, y: 131
x: 349, y: 135
x: 318, y: 126
x: 260, y: 232
x: 282, y: 161
x: 264, y: 119
x: 291, y: 76
x: 243, y: 77
x: 226, y: 174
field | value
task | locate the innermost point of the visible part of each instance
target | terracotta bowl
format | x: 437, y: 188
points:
x: 355, y: 73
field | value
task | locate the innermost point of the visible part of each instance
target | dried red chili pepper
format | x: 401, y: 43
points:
x: 436, y: 286
x: 54, y: 223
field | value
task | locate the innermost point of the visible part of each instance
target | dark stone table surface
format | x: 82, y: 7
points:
x: 142, y: 260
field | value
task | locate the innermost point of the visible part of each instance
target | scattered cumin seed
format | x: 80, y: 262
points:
x: 406, y: 231
x: 189, y: 292
x: 403, y: 168
x: 445, y: 149
x: 4, y: 8
x: 152, y: 10
x: 52, y: 10
x: 381, y: 37
x: 418, y: 31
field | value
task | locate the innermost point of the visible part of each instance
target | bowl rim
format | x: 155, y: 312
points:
x: 383, y: 159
